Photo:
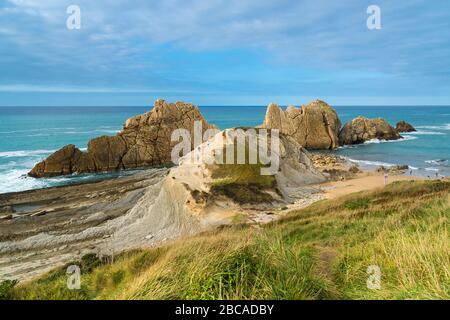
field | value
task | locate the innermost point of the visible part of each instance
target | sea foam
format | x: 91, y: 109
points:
x: 24, y: 153
x: 438, y: 127
x: 377, y: 141
x: 438, y: 162
x: 421, y: 132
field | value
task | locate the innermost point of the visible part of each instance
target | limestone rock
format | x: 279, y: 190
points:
x: 314, y: 126
x: 144, y: 141
x: 404, y: 126
x: 362, y: 129
x: 199, y: 193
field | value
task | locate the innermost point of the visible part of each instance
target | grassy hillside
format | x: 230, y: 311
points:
x: 321, y: 252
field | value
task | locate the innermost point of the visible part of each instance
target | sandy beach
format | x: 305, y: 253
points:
x: 365, y: 181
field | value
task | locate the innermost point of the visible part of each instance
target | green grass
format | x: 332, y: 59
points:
x: 6, y: 289
x: 357, y: 204
x: 321, y: 252
x: 242, y: 182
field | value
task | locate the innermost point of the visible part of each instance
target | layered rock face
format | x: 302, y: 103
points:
x: 314, y: 126
x: 155, y: 205
x: 144, y: 141
x: 362, y: 129
x: 404, y: 126
x: 199, y: 194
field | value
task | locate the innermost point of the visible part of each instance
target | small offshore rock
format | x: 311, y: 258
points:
x: 362, y: 129
x: 403, y: 126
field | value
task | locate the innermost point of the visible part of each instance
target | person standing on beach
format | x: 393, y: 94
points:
x: 385, y: 179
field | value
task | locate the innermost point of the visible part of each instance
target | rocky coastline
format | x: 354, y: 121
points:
x: 145, y: 140
x: 41, y: 229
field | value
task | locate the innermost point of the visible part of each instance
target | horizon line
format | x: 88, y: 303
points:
x: 226, y: 106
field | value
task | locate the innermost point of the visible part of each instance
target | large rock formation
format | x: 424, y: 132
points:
x: 362, y: 129
x: 314, y: 126
x: 144, y: 141
x: 155, y: 205
x: 200, y: 193
x: 403, y: 126
x: 67, y: 160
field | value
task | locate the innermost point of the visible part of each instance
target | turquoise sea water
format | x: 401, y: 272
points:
x: 29, y: 134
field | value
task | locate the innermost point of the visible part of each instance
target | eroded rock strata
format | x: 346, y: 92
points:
x: 58, y: 225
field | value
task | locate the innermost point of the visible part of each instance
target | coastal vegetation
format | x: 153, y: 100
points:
x: 320, y: 252
x: 242, y: 182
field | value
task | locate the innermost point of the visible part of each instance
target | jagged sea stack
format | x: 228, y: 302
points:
x: 144, y: 141
x: 314, y: 126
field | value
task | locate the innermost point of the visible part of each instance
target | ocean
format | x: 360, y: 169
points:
x: 29, y: 134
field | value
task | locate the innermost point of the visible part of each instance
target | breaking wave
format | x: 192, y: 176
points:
x: 438, y: 162
x: 24, y: 153
x: 377, y: 141
x: 372, y: 163
x: 421, y: 132
x: 438, y: 127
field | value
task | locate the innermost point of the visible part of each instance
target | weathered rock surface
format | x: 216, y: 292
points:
x: 56, y: 225
x: 362, y: 129
x: 314, y: 126
x: 395, y: 169
x: 334, y: 167
x: 144, y: 141
x: 404, y: 126
x: 199, y: 194
x: 52, y: 226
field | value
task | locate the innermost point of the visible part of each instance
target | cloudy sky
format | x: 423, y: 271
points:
x: 224, y: 52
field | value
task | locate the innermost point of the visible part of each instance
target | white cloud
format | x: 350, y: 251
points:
x: 78, y: 89
x: 126, y: 41
x: 313, y: 32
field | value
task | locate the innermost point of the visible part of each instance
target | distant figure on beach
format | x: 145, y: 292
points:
x: 437, y: 174
x: 385, y: 179
x: 410, y: 172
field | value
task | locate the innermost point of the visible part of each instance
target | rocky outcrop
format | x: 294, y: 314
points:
x: 152, y: 206
x: 404, y: 126
x: 67, y: 160
x: 144, y: 141
x: 362, y: 129
x: 200, y: 194
x: 334, y: 167
x: 314, y: 126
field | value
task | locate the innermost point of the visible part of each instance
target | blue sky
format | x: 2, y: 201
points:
x: 229, y: 52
